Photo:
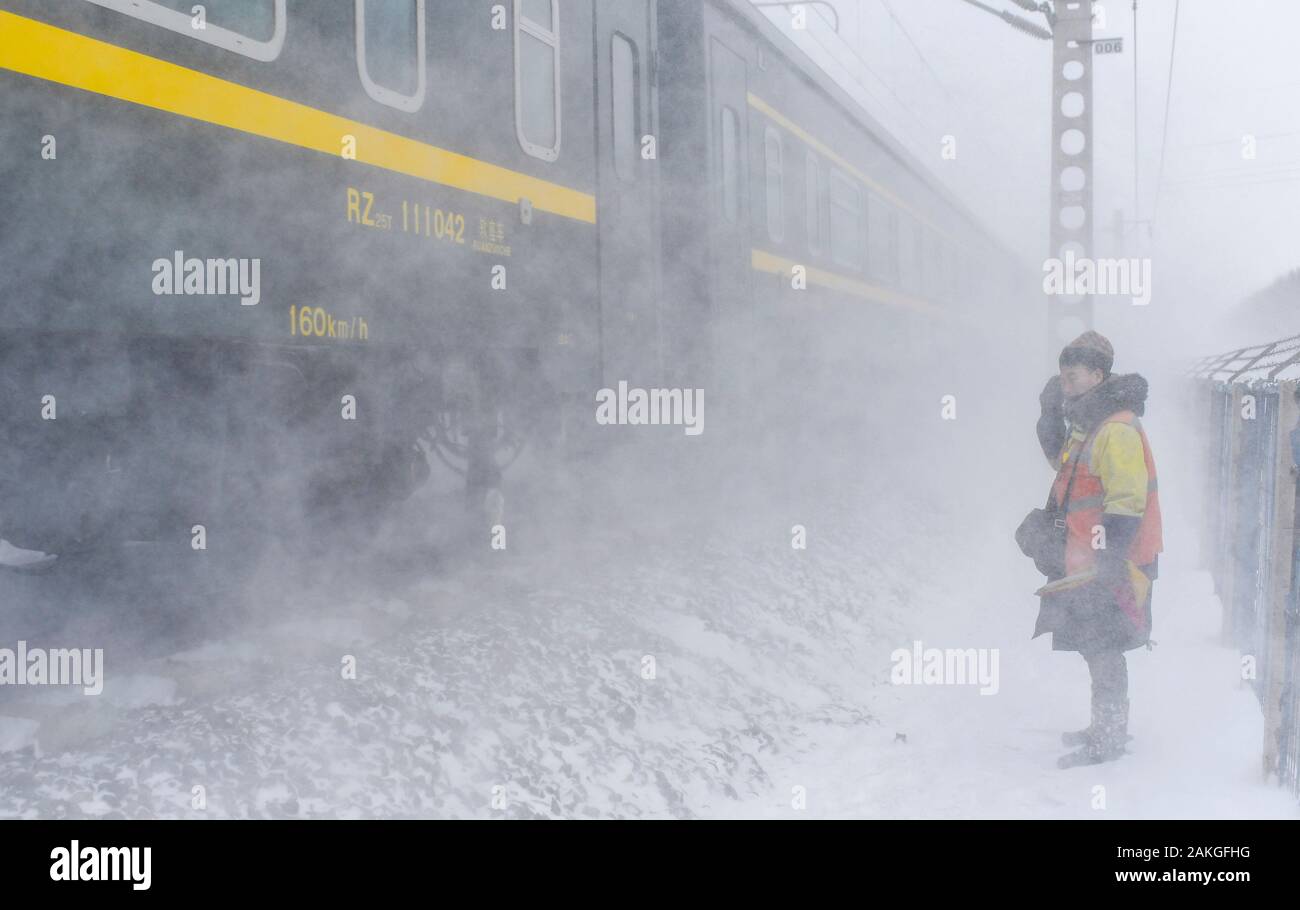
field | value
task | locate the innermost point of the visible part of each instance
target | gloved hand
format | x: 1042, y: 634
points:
x: 1051, y: 423
x: 1112, y: 559
x: 1052, y: 398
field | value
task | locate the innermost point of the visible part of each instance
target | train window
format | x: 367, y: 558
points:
x: 537, y: 77
x: 730, y: 148
x: 846, y: 220
x: 775, y: 181
x: 254, y: 28
x: 624, y: 93
x: 816, y: 188
x: 390, y: 51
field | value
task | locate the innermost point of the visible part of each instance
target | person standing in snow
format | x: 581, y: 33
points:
x: 1106, y: 487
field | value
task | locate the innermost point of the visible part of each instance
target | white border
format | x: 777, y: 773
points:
x: 388, y: 96
x: 176, y: 21
x: 551, y: 38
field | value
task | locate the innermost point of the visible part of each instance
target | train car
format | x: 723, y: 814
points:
x: 273, y: 256
x: 823, y: 246
x: 414, y: 185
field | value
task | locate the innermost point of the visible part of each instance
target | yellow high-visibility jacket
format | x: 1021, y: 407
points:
x: 1118, y: 460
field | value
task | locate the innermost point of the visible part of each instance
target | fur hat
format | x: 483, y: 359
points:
x: 1090, y: 349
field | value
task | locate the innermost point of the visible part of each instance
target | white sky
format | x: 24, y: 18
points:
x: 1225, y: 225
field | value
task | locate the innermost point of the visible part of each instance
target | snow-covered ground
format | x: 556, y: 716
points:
x: 635, y: 660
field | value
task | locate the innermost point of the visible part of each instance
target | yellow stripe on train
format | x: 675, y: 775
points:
x: 763, y: 261
x: 57, y: 55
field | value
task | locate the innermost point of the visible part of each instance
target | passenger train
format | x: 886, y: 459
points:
x: 462, y: 219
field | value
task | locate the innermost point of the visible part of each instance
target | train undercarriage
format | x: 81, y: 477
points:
x: 217, y: 445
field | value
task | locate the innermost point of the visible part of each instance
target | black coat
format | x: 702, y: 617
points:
x: 1089, y: 619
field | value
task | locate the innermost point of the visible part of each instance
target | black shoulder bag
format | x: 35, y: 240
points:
x: 1041, y: 536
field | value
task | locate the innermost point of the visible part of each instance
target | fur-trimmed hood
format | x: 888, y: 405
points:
x: 1119, y: 392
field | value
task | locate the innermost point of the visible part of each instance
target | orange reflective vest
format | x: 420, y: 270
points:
x: 1087, y: 496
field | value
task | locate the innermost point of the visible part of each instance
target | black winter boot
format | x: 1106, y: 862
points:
x: 1077, y: 737
x: 1107, y: 740
x: 1073, y: 738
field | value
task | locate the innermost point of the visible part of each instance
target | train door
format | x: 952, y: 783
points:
x: 729, y: 235
x: 729, y: 105
x: 628, y: 211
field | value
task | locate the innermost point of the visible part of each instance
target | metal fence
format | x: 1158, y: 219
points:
x: 1253, y: 550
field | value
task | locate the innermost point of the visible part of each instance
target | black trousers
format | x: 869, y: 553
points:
x: 1109, y: 671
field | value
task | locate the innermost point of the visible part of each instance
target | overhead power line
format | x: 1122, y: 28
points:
x: 906, y: 34
x: 1169, y: 91
x: 853, y: 67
